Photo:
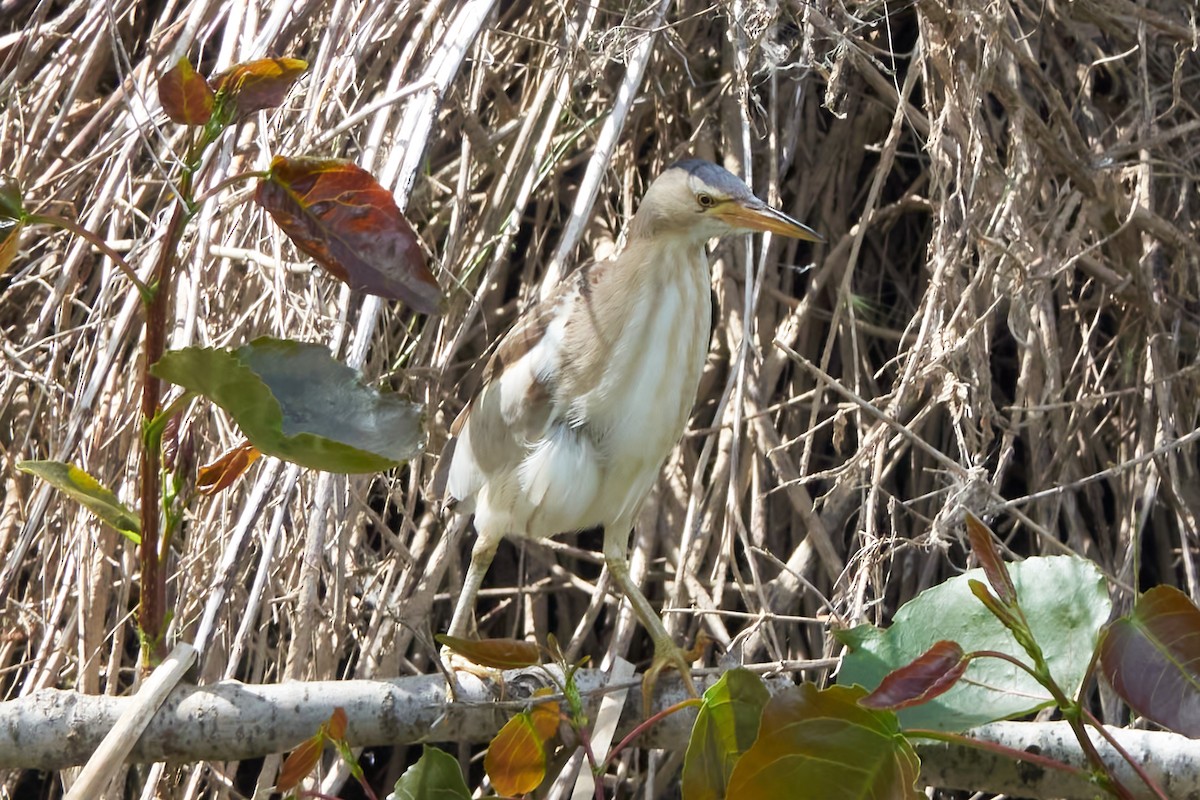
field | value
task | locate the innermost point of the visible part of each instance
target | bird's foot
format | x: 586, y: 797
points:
x: 668, y: 655
x: 454, y: 663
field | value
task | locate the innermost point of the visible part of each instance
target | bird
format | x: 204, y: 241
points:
x: 586, y: 395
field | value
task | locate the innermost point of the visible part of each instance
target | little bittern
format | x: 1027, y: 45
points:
x: 584, y: 398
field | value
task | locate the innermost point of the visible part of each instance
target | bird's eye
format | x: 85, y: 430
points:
x: 706, y: 200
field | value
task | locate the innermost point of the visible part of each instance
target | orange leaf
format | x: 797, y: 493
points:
x: 10, y: 237
x: 516, y: 758
x: 299, y: 763
x: 220, y: 474
x: 335, y: 728
x: 260, y: 84
x: 545, y: 718
x: 185, y: 96
x: 494, y: 653
x: 337, y: 213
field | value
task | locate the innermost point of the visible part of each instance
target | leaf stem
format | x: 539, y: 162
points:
x: 648, y: 723
x: 98, y: 242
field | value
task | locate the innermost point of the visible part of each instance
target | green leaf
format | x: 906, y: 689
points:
x: 725, y: 728
x: 1152, y: 659
x: 10, y: 239
x: 12, y: 219
x: 294, y: 401
x: 822, y: 743
x: 82, y: 487
x: 435, y: 776
x: 1066, y: 602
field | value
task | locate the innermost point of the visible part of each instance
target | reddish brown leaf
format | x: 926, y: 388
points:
x: 516, y: 758
x: 185, y: 96
x: 337, y: 213
x: 930, y: 674
x: 260, y: 84
x: 220, y: 474
x: 299, y: 763
x: 1152, y: 659
x: 983, y: 545
x: 335, y: 727
x: 494, y: 653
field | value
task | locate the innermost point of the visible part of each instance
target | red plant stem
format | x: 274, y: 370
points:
x: 997, y: 748
x: 648, y: 723
x: 1071, y: 711
x: 1108, y: 737
x: 153, y: 605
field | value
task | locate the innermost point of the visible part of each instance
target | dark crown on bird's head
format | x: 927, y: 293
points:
x: 713, y: 176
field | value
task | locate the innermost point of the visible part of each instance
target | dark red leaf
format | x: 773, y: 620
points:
x: 494, y: 653
x: 983, y: 545
x: 1152, y: 659
x: 260, y: 84
x: 930, y: 674
x: 221, y: 474
x: 185, y: 96
x: 337, y: 213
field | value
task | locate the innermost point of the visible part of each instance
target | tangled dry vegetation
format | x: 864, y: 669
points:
x: 1004, y: 319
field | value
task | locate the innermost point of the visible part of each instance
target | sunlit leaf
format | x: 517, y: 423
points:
x: 494, y: 653
x: 86, y: 490
x: 219, y: 475
x: 1066, y: 602
x: 932, y: 673
x: 294, y: 401
x: 435, y: 776
x: 185, y: 95
x: 822, y: 743
x: 516, y: 759
x: 983, y: 545
x: 338, y: 214
x: 725, y: 728
x: 1152, y: 659
x: 256, y: 85
x: 545, y: 716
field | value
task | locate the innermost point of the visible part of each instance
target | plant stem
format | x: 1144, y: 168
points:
x: 153, y: 605
x: 998, y: 749
x: 1112, y: 741
x: 648, y: 723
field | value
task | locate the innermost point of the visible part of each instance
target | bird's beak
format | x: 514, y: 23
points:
x: 758, y: 216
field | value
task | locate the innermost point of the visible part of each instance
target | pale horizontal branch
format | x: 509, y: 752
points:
x: 231, y: 721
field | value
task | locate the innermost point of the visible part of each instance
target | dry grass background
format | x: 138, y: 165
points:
x: 1004, y: 319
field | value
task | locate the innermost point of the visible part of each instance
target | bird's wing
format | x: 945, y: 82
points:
x: 515, y: 404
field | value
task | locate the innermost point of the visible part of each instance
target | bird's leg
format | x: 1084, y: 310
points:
x: 666, y: 652
x: 464, y: 612
x: 481, y: 558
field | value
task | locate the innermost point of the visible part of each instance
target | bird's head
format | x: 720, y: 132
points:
x: 701, y: 200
